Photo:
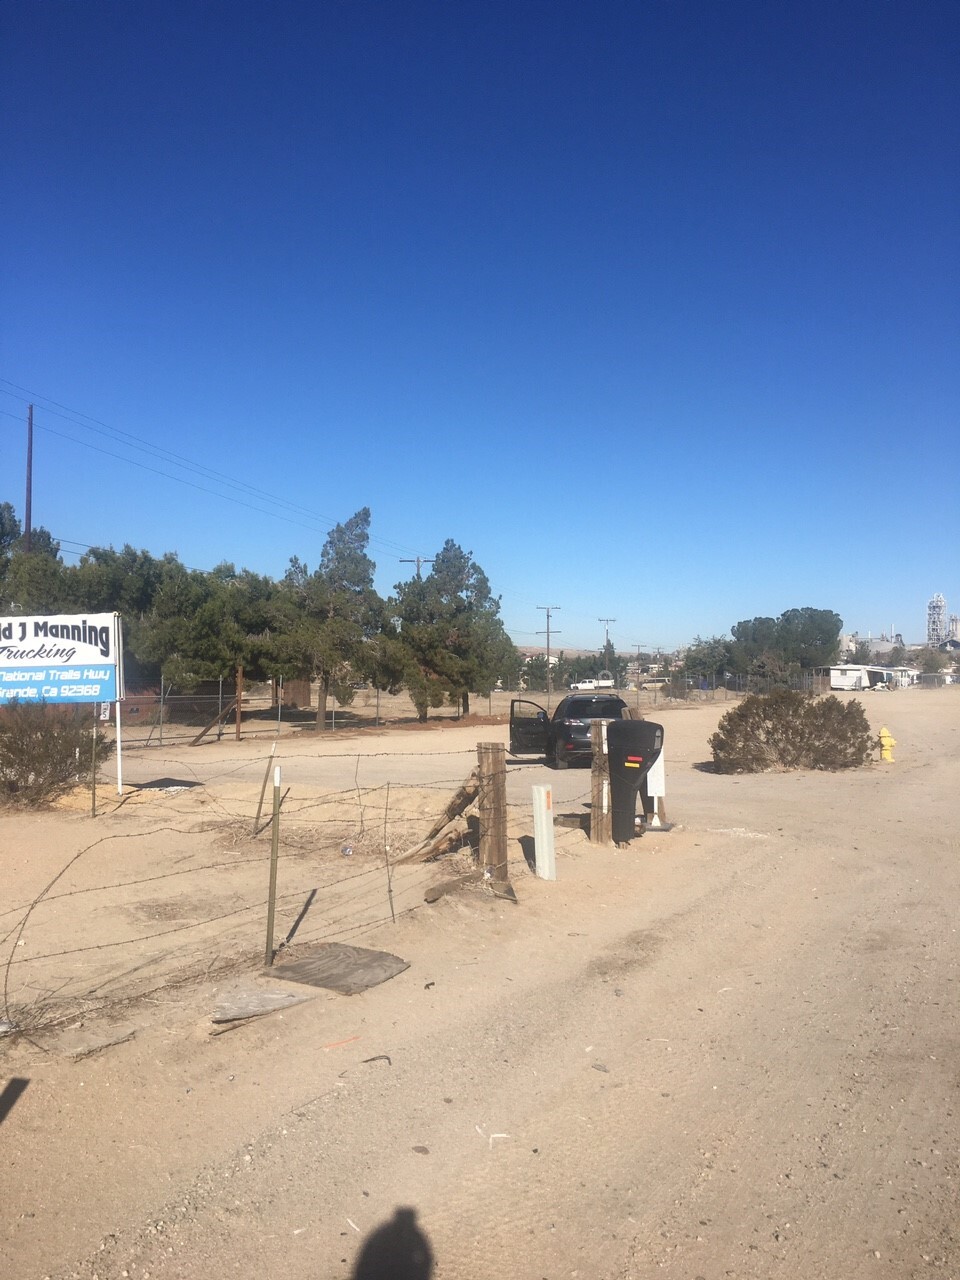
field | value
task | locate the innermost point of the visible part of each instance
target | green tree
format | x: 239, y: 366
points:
x: 809, y: 637
x: 617, y: 665
x: 535, y: 674
x: 9, y: 529
x: 230, y: 632
x: 325, y: 620
x: 511, y: 669
x: 798, y: 638
x: 42, y: 543
x: 384, y: 658
x: 707, y: 659
x: 9, y: 533
x: 568, y: 671
x: 931, y: 661
x: 751, y: 638
x: 125, y: 581
x: 202, y: 626
x: 452, y: 632
x: 771, y: 667
x: 34, y: 581
x: 162, y: 641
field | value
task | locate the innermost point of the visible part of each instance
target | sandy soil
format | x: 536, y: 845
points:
x: 729, y: 1050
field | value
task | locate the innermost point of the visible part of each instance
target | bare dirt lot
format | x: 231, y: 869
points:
x: 731, y: 1049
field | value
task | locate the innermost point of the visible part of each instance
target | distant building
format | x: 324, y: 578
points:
x: 848, y: 675
x: 878, y: 646
x: 936, y: 621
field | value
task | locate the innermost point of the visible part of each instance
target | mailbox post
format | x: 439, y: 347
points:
x: 633, y: 747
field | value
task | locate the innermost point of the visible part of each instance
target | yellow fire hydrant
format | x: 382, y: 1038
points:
x: 887, y: 743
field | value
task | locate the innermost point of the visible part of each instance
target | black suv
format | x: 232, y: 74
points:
x: 565, y: 735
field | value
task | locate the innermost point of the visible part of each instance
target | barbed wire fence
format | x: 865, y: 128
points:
x: 190, y: 902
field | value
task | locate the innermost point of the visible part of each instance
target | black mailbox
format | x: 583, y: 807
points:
x: 632, y: 749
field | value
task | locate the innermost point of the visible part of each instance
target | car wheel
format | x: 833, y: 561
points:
x: 560, y: 761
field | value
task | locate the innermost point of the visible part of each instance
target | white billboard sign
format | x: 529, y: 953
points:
x: 61, y: 659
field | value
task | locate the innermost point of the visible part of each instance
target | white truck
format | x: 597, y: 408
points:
x: 603, y: 681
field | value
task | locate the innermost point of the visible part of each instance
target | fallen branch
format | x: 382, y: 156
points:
x: 465, y: 795
x: 454, y: 835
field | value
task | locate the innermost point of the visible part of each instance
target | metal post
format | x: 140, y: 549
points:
x: 161, y: 709
x: 386, y: 856
x: 119, y: 753
x: 274, y: 855
x: 239, y: 700
x: 93, y: 767
x: 263, y: 789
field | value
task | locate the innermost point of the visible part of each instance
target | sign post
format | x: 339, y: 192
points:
x: 119, y: 754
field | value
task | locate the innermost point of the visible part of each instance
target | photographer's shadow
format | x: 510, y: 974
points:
x: 397, y: 1250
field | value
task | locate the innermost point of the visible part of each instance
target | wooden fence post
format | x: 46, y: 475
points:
x: 491, y: 758
x: 601, y: 807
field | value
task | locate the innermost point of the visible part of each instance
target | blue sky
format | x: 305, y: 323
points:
x: 652, y: 306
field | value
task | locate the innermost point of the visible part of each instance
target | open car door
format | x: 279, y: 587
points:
x: 528, y: 728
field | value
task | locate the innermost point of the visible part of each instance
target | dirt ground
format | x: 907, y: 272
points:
x: 729, y: 1050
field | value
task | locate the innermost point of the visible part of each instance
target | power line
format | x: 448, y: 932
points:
x: 606, y: 632
x: 418, y: 561
x: 128, y: 440
x: 132, y: 441
x: 191, y: 484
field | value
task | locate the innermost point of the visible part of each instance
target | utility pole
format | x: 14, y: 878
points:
x: 606, y: 633
x: 418, y: 562
x: 606, y: 638
x: 548, y: 609
x: 28, y: 511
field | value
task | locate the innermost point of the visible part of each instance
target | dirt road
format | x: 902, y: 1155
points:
x: 731, y: 1050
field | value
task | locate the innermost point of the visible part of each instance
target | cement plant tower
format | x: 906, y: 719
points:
x: 936, y: 620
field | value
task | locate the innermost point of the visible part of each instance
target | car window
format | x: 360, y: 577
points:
x: 590, y: 709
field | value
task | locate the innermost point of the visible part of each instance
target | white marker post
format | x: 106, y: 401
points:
x: 545, y: 852
x: 656, y: 789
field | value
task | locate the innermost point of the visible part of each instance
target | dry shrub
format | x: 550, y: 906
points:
x: 791, y: 730
x: 46, y: 751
